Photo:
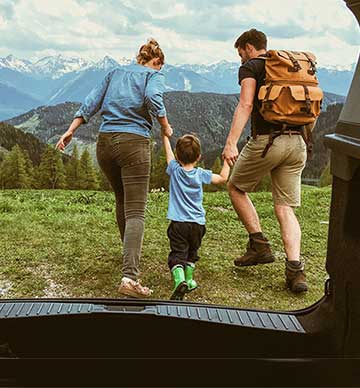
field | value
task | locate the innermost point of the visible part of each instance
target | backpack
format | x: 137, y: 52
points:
x: 291, y: 95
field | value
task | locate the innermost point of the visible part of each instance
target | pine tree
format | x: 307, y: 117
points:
x: 36, y: 178
x: 216, y: 168
x: 14, y: 172
x: 89, y: 177
x: 51, y: 171
x: 29, y: 169
x: 74, y: 171
x: 103, y: 181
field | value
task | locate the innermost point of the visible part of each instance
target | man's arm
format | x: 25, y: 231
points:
x: 218, y: 179
x: 168, y: 150
x: 240, y: 118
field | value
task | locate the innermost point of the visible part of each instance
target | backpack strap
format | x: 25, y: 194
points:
x: 306, y: 134
x: 296, y: 65
x: 253, y: 128
x: 272, y: 136
x: 312, y: 71
x: 307, y: 100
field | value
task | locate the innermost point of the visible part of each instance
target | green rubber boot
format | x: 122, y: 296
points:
x: 180, y: 285
x: 189, y: 271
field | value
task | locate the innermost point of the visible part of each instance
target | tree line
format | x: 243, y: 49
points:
x: 54, y: 171
x: 73, y: 172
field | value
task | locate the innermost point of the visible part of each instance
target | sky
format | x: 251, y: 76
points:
x: 189, y: 31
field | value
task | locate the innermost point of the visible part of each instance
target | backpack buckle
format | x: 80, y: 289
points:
x: 295, y: 64
x: 268, y: 105
x: 294, y: 69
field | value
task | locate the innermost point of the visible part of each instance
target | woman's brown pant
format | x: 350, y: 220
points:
x: 125, y: 160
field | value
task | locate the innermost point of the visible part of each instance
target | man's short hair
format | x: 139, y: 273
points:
x: 188, y: 149
x: 254, y: 37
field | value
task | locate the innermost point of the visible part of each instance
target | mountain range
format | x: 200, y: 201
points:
x: 57, y: 79
x: 207, y: 114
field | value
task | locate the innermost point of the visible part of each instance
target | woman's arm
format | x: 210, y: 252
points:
x: 154, y: 101
x: 168, y: 150
x: 91, y: 105
x: 165, y: 126
x: 67, y: 136
x: 94, y: 99
x: 218, y: 179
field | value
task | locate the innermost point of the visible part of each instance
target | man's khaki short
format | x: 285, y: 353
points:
x: 284, y: 161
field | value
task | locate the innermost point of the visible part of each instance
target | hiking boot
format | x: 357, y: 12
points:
x: 295, y: 277
x: 180, y: 285
x: 258, y: 252
x: 133, y: 288
x: 189, y: 271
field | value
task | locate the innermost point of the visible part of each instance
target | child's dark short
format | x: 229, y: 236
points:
x: 185, y: 240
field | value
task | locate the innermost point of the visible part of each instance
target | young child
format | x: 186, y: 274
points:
x: 186, y: 212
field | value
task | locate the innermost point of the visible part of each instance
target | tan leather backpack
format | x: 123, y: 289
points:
x: 291, y: 94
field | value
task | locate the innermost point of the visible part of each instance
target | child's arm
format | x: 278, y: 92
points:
x: 168, y: 150
x: 218, y: 179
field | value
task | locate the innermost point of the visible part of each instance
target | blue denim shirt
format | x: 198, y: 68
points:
x: 127, y: 98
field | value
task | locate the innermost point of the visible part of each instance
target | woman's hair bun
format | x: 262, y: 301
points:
x: 149, y: 51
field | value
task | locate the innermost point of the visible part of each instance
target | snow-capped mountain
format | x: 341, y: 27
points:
x: 56, y: 66
x: 50, y: 67
x: 13, y: 63
x: 108, y: 63
x: 213, y: 67
x: 183, y: 79
x: 56, y: 79
x: 333, y: 79
x: 223, y: 73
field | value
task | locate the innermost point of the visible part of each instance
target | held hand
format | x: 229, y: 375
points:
x: 64, y: 141
x: 167, y: 131
x: 226, y: 164
x: 230, y: 154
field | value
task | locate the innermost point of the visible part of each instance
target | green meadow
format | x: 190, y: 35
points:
x: 58, y: 243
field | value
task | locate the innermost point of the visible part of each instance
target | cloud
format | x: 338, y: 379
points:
x: 7, y: 9
x: 190, y: 31
x: 329, y: 49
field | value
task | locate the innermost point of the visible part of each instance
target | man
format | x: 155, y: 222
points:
x: 284, y: 160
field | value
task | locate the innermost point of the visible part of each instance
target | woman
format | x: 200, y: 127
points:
x: 127, y: 98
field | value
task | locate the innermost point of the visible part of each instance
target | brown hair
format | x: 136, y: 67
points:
x: 188, y: 149
x: 149, y: 51
x: 254, y: 37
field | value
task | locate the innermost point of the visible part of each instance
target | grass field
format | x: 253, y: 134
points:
x: 66, y: 244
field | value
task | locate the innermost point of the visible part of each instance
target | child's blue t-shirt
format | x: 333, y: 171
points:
x: 186, y: 193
